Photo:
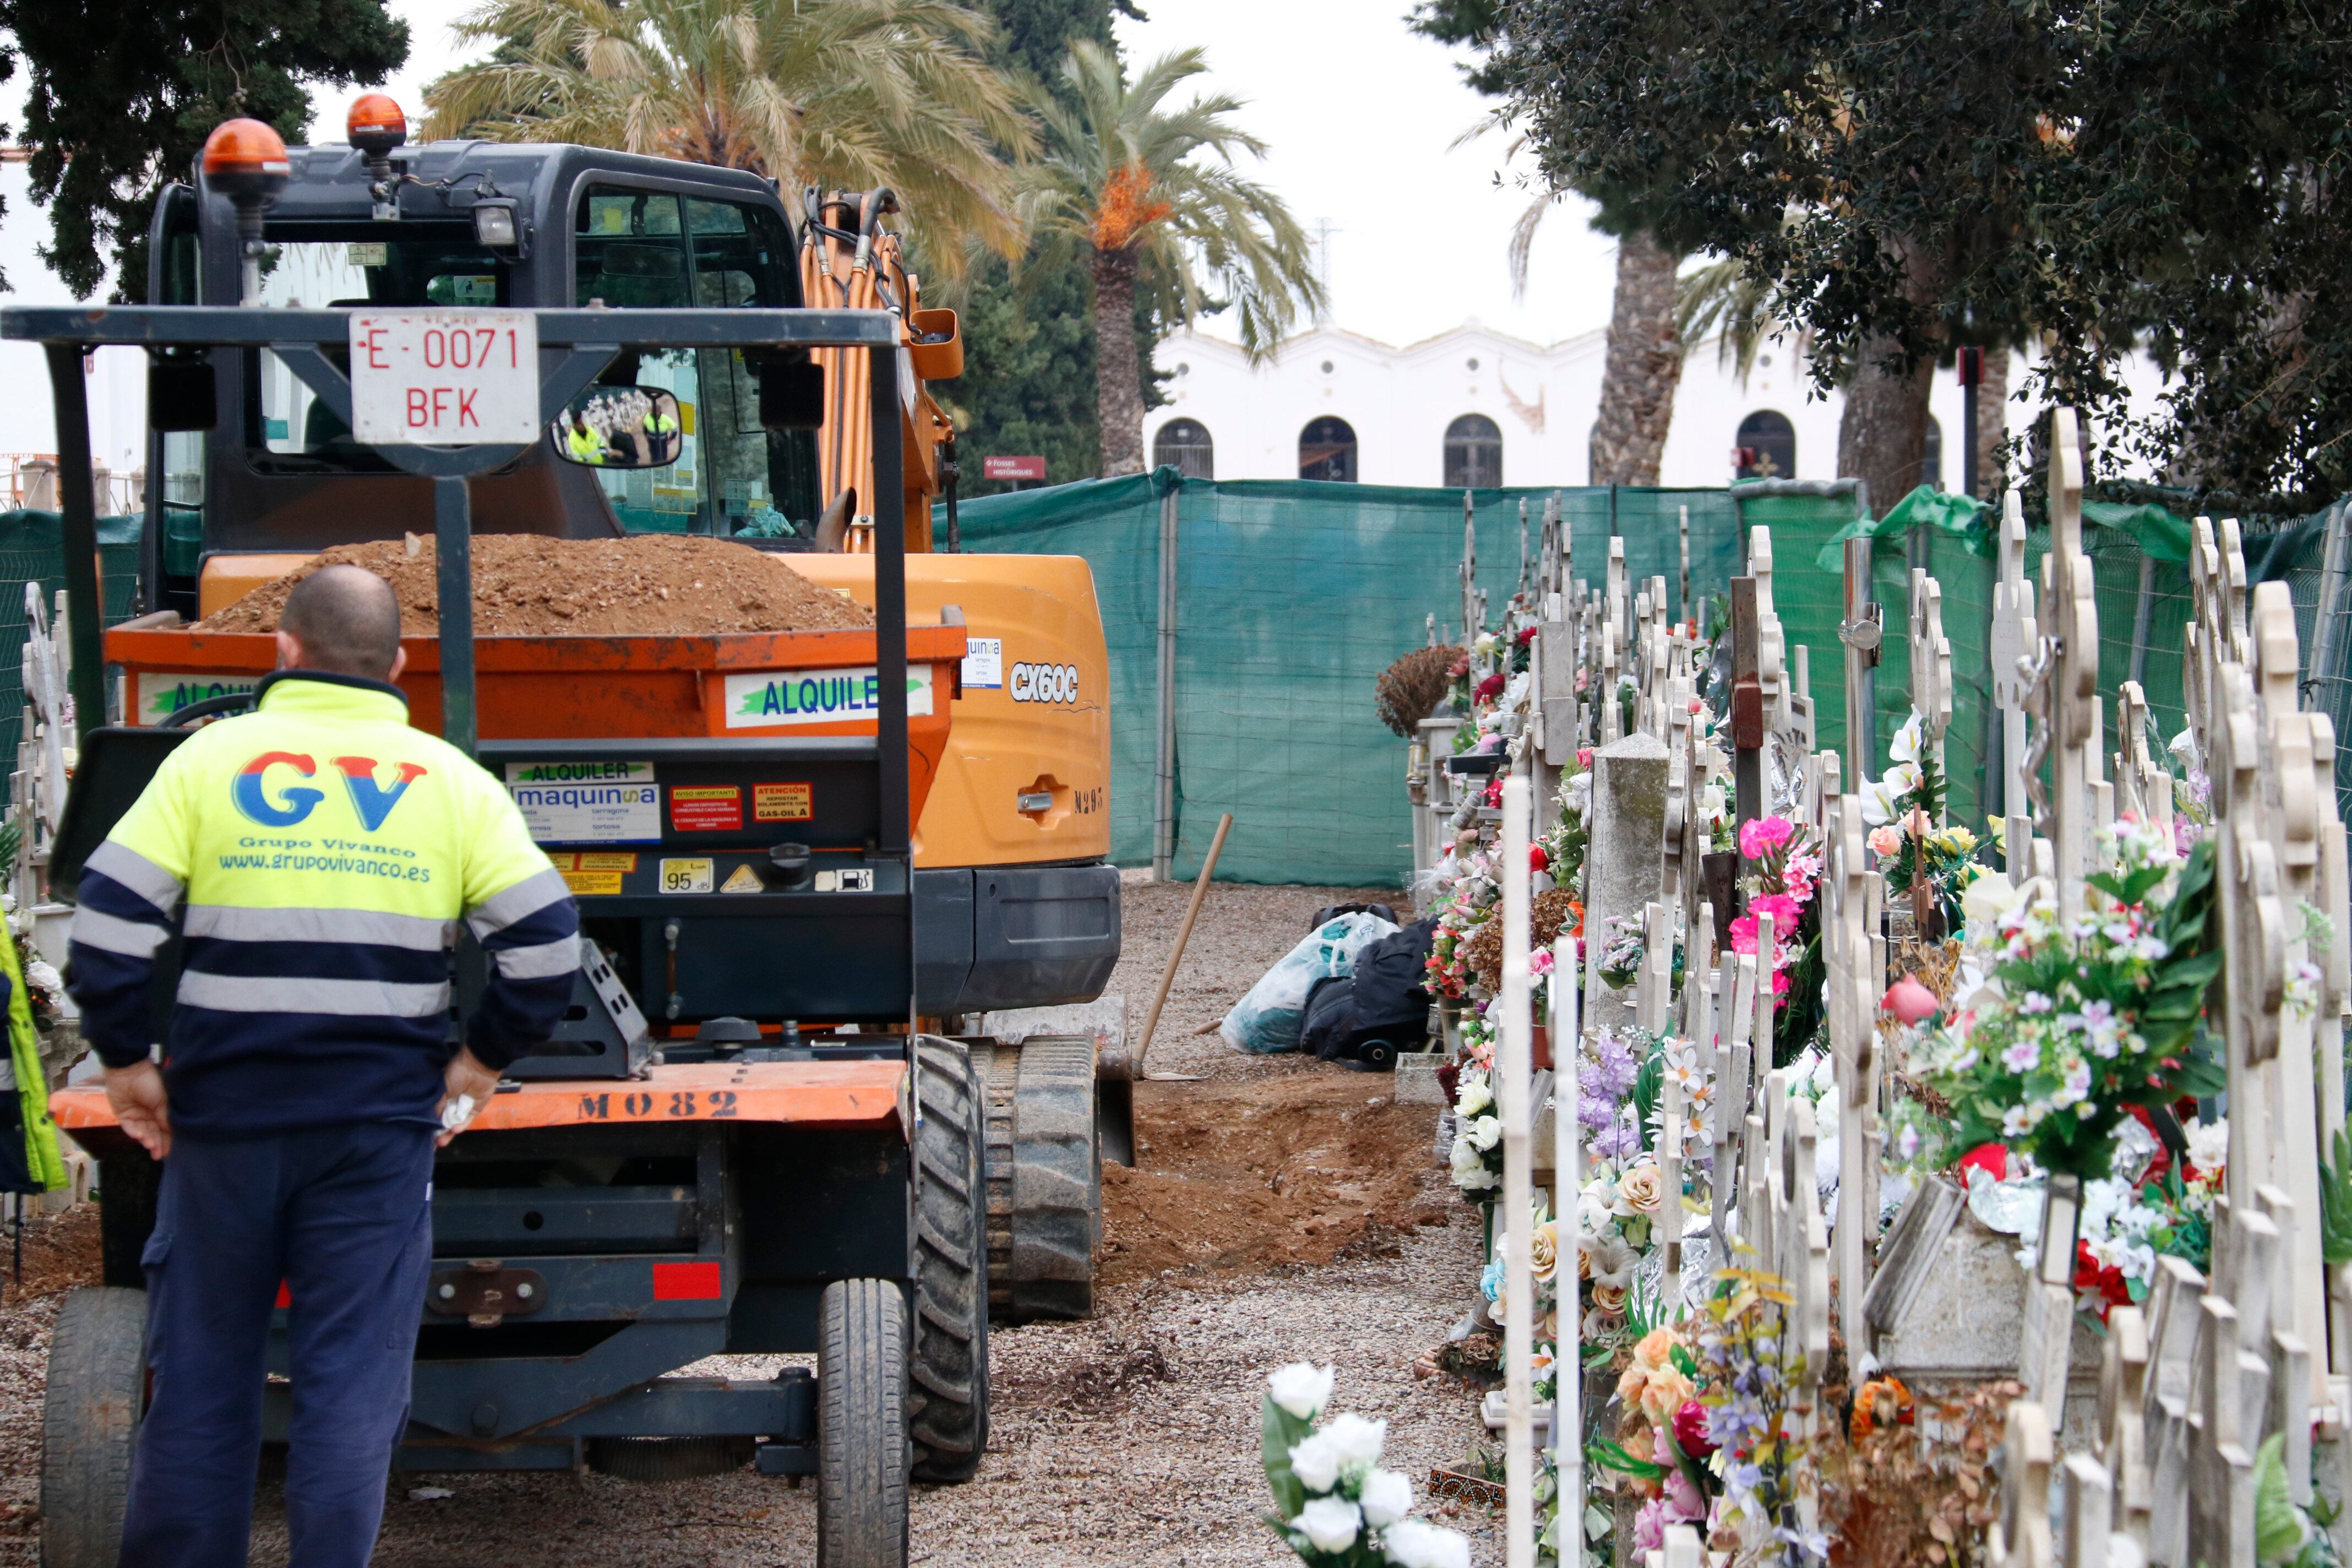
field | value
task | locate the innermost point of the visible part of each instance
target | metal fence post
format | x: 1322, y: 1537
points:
x: 1163, y: 825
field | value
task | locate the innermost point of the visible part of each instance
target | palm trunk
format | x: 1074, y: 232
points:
x: 1992, y: 428
x: 1119, y: 379
x: 1642, y: 367
x: 1882, y: 435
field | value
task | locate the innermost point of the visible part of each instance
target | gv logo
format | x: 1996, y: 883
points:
x: 371, y: 801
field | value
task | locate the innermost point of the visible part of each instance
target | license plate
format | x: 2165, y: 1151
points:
x: 685, y: 876
x: 445, y: 378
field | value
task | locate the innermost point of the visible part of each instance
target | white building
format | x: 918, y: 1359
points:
x: 1441, y: 412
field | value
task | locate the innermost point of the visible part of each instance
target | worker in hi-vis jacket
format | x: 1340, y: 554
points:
x: 315, y: 856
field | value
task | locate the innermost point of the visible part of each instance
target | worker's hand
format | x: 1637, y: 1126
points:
x: 141, y: 1108
x: 467, y: 1087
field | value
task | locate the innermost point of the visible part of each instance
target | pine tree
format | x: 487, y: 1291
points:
x: 120, y: 99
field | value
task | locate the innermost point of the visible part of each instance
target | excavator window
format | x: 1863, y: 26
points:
x: 657, y: 248
x: 288, y: 429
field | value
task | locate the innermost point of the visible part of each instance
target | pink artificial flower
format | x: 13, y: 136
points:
x: 1781, y: 907
x: 1583, y: 756
x: 1760, y: 834
x: 1743, y: 934
x: 1650, y: 1526
x: 1886, y: 842
x: 1540, y: 962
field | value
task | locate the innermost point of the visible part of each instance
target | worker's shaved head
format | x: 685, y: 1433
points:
x: 346, y: 620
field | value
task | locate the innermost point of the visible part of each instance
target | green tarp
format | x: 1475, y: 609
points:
x: 1292, y: 597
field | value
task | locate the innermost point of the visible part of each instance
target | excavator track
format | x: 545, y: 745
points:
x: 1045, y: 1176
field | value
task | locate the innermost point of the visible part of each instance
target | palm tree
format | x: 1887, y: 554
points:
x: 839, y: 93
x: 1642, y: 365
x: 1116, y: 181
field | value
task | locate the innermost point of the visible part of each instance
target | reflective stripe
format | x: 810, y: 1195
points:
x: 137, y: 873
x: 112, y: 933
x: 526, y: 897
x: 371, y: 928
x: 545, y: 962
x: 343, y: 998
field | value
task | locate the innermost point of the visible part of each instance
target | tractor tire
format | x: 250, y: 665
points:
x: 668, y: 1458
x: 949, y: 1417
x: 89, y: 1423
x: 862, y: 1457
x: 1045, y: 1177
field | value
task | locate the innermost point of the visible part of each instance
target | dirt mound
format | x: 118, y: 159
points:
x: 1294, y: 1169
x: 526, y: 586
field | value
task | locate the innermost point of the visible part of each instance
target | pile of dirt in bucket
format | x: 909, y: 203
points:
x: 526, y: 585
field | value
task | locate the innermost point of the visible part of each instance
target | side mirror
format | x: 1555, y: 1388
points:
x: 619, y: 427
x: 792, y: 394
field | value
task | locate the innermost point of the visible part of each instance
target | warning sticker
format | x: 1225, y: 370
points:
x: 593, y: 802
x: 705, y: 808
x: 594, y: 874
x: 743, y: 879
x: 780, y: 802
x: 685, y: 876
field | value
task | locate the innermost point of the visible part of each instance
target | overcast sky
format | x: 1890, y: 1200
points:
x: 1361, y: 118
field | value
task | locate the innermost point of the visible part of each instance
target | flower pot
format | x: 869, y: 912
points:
x: 1541, y: 1048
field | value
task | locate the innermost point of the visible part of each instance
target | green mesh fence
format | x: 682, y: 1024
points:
x: 32, y: 550
x: 1292, y: 596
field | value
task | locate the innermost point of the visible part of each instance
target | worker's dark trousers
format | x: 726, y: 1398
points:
x: 342, y: 1214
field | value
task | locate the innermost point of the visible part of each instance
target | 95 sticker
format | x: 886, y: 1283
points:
x: 685, y: 876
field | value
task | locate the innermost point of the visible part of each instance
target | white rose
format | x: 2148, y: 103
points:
x: 1301, y: 1388
x: 1472, y: 1097
x: 1416, y: 1543
x: 1330, y: 1523
x: 1387, y: 1497
x: 1315, y: 1460
x: 1485, y: 1132
x: 1357, y: 1441
x: 1468, y: 1163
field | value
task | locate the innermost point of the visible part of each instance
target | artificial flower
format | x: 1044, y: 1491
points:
x: 1301, y: 1388
x: 1612, y: 1264
x: 1357, y: 1441
x: 1886, y: 842
x: 1330, y: 1522
x: 1417, y: 1544
x: 1641, y: 1189
x: 1543, y: 1252
x: 1387, y: 1497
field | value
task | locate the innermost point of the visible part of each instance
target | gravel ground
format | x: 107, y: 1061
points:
x: 1129, y: 1439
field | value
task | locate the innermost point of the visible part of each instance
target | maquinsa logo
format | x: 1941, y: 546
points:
x: 370, y: 801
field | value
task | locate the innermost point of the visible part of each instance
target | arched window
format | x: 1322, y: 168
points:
x: 1767, y: 448
x: 1473, y: 454
x: 1931, y: 467
x: 1326, y: 451
x: 1184, y: 445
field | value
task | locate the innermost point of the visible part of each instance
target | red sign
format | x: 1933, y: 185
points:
x: 705, y: 808
x: 1013, y: 469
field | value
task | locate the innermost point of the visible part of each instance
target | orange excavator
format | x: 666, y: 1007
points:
x: 808, y: 863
